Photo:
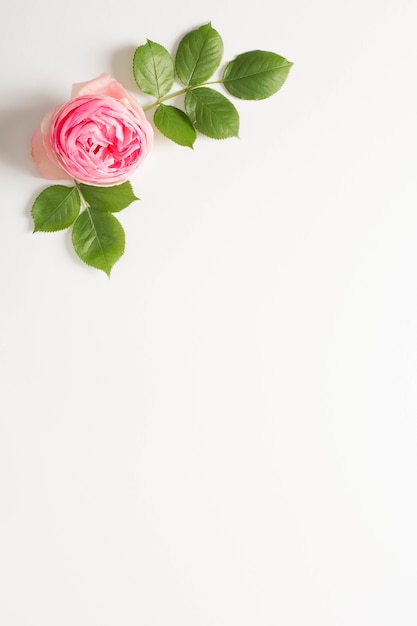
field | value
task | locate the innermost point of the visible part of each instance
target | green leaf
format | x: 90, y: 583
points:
x: 109, y: 199
x: 198, y: 56
x: 256, y: 75
x: 174, y: 124
x: 98, y: 239
x: 55, y: 208
x: 153, y: 69
x: 211, y: 113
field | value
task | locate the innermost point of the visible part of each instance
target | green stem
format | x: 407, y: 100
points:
x: 87, y: 208
x: 213, y: 82
x: 179, y: 93
x: 83, y: 200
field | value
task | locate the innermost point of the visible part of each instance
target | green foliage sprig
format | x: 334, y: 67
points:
x: 253, y: 75
x: 97, y: 235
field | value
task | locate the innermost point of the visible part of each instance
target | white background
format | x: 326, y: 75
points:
x: 224, y: 433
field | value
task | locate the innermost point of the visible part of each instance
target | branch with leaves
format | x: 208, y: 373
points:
x: 254, y: 75
x: 101, y: 154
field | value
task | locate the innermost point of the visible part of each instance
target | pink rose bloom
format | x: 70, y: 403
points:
x: 99, y: 137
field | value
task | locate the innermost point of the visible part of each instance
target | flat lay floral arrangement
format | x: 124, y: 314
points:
x: 102, y: 135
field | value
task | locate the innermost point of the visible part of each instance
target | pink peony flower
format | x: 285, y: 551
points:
x: 99, y: 137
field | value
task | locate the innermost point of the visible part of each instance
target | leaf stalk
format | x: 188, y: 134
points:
x: 179, y: 93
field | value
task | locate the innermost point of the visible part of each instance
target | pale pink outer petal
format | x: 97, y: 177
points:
x: 103, y: 85
x: 47, y: 168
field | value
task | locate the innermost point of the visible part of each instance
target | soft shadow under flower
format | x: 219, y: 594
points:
x: 17, y: 126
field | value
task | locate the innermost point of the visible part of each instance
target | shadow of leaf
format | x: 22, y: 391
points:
x: 122, y: 67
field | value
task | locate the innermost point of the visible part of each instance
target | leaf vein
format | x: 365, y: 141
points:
x: 46, y: 220
x: 97, y: 236
x: 271, y: 69
x: 199, y: 55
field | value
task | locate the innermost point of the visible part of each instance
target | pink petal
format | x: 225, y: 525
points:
x: 103, y: 85
x: 47, y: 168
x: 106, y: 85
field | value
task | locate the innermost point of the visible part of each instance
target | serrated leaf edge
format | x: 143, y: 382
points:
x: 41, y: 230
x: 87, y: 210
x: 237, y: 112
x: 209, y: 24
x: 170, y: 138
x: 81, y: 186
x: 225, y: 81
x: 157, y: 95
